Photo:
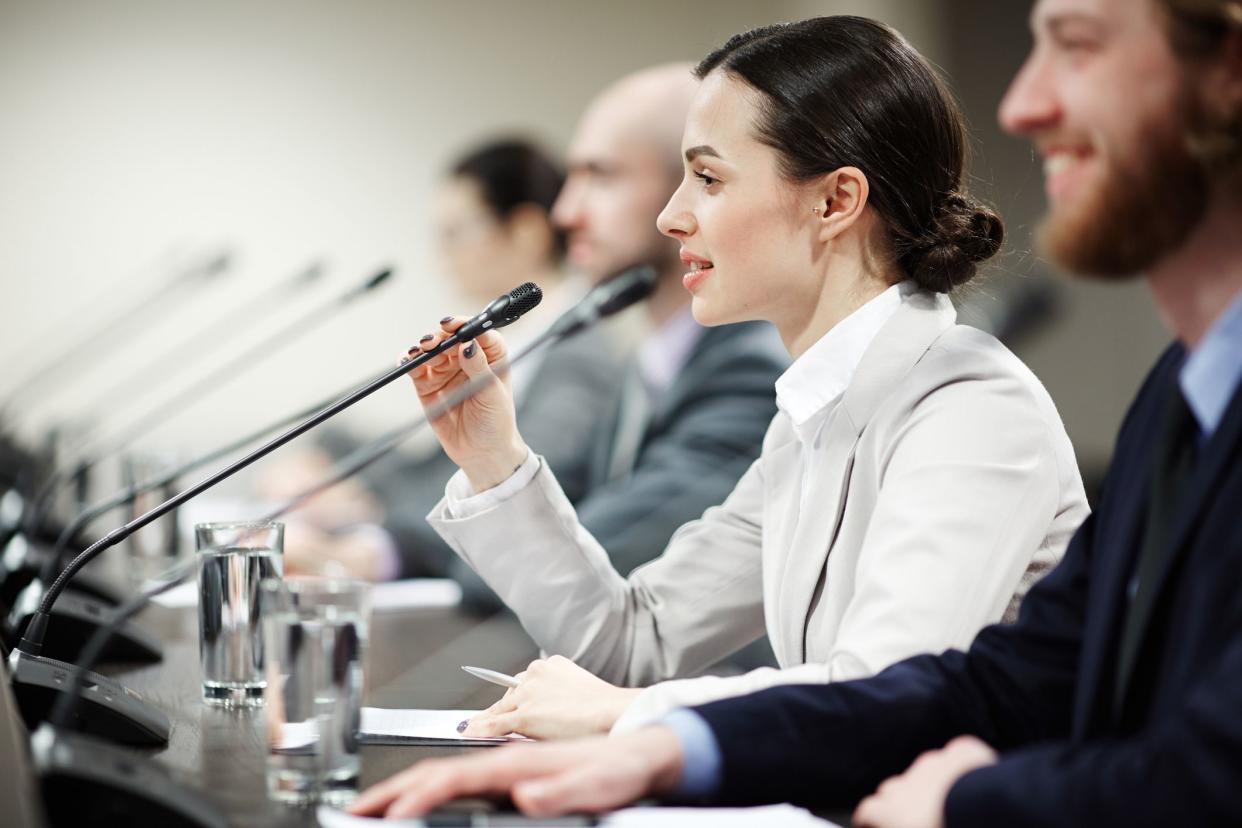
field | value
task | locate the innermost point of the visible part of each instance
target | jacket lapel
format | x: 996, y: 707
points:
x: 898, y: 346
x: 815, y: 528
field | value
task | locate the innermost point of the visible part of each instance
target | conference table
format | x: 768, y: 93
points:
x: 414, y: 660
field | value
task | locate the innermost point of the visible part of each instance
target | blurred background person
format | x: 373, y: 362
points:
x: 493, y: 232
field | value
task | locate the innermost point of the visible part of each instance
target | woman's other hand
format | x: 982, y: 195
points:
x: 543, y: 780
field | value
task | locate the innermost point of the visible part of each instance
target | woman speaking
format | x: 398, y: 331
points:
x: 917, y: 476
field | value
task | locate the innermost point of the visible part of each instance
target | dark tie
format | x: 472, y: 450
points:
x: 1173, y: 456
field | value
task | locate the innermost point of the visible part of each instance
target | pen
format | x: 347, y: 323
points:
x: 492, y: 676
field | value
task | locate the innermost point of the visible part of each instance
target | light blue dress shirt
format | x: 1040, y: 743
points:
x: 1211, y: 374
x: 1209, y: 379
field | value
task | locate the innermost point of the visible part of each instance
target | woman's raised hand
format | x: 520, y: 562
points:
x: 556, y: 699
x: 480, y: 434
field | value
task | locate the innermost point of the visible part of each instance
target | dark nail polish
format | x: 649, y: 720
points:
x: 461, y: 728
x: 446, y: 320
x: 426, y: 338
x: 469, y: 352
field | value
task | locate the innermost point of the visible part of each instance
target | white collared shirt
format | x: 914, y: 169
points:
x: 810, y: 388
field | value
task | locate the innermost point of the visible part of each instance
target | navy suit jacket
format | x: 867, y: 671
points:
x: 1042, y: 691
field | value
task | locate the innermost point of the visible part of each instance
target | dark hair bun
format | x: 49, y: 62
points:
x: 963, y: 233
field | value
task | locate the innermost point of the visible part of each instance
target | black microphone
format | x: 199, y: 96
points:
x: 80, y: 775
x: 93, y: 342
x: 38, y: 680
x: 609, y: 297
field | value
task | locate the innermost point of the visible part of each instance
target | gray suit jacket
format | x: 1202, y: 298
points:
x: 700, y: 438
x: 942, y: 484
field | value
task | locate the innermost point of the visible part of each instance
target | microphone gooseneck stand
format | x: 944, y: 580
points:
x: 93, y: 454
x: 102, y: 779
x: 75, y: 618
x: 117, y: 712
x: 119, y: 787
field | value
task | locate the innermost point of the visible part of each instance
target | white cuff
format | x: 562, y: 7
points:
x: 463, y: 503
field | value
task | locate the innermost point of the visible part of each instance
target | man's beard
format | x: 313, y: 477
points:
x: 1145, y: 208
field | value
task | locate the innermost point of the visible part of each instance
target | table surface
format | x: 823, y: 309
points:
x: 414, y: 659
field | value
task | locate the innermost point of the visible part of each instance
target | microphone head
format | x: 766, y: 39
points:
x: 523, y: 298
x: 377, y: 280
x: 503, y: 310
x: 626, y: 288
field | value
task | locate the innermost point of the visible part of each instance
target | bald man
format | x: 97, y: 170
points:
x: 693, y: 408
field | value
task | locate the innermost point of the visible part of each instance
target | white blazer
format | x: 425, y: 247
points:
x: 942, y: 487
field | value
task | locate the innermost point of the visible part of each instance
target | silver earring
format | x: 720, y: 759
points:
x: 815, y: 210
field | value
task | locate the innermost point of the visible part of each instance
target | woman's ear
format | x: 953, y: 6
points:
x: 840, y: 198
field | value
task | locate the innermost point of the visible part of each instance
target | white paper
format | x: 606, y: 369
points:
x: 182, y: 595
x: 768, y: 815
x: 423, y: 724
x: 414, y: 593
x: 781, y: 816
x: 329, y: 817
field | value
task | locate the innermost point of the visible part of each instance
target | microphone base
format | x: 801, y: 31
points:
x: 105, y: 708
x: 74, y: 619
x: 85, y: 782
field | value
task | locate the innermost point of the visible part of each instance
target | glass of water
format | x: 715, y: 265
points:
x: 158, y: 546
x: 315, y: 635
x: 233, y: 560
